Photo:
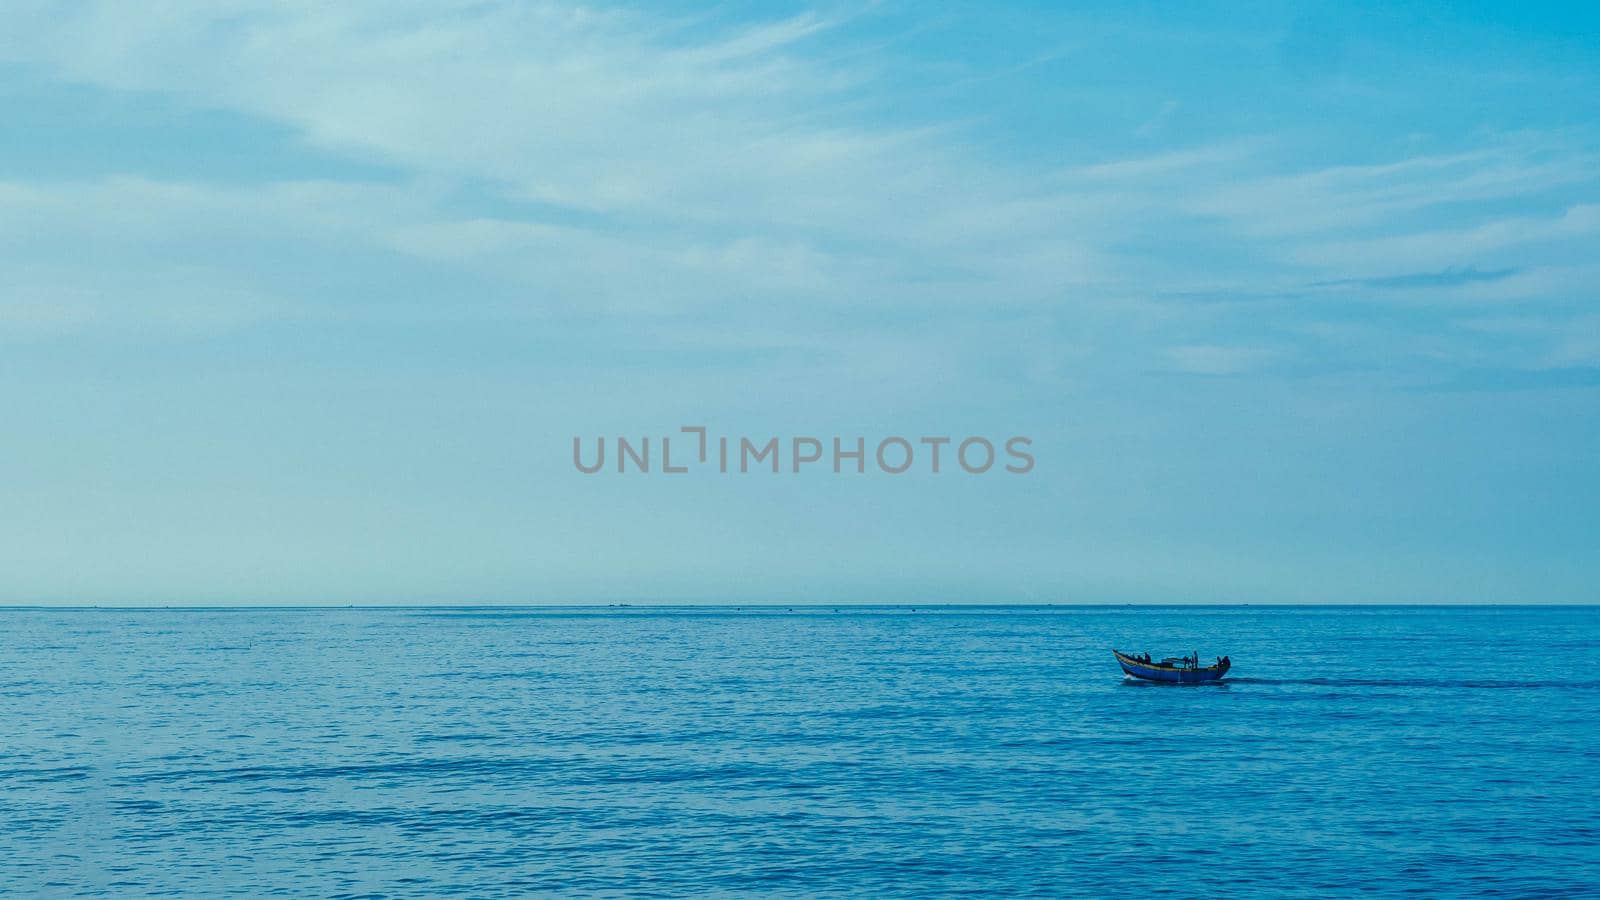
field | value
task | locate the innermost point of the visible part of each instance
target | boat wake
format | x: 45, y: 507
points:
x: 1482, y: 684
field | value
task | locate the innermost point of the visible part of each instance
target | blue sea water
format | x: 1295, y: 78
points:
x: 493, y: 752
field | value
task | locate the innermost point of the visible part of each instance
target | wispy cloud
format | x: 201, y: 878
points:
x: 625, y: 162
x: 1445, y: 278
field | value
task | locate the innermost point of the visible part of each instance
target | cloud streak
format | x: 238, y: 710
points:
x: 633, y: 164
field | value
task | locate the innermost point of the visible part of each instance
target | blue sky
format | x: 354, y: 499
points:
x: 304, y: 302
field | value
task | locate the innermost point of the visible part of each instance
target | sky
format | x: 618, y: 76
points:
x: 306, y: 302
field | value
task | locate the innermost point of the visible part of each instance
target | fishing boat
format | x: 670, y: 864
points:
x: 1177, y: 669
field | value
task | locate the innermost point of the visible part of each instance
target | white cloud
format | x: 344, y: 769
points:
x: 1482, y: 242
x: 673, y: 166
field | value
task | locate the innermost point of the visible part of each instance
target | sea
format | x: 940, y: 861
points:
x: 799, y: 751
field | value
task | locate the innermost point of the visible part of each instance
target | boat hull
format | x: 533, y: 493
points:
x: 1157, y: 672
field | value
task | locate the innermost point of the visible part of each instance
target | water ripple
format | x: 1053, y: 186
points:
x: 505, y: 753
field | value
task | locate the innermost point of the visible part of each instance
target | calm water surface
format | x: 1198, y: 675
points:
x: 1428, y: 752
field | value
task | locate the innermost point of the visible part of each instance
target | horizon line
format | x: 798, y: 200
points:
x: 761, y: 605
